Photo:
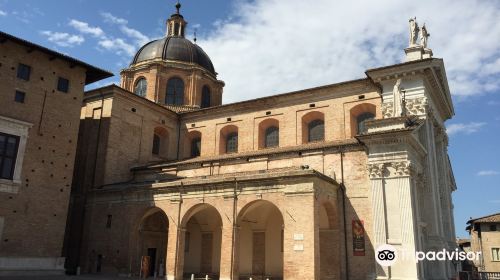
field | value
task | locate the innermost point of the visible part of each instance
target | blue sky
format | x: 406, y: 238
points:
x: 264, y: 47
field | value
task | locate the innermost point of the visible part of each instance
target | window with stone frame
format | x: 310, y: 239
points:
x: 232, y: 142
x: 196, y: 147
x: 175, y: 92
x: 205, y: 97
x: 272, y: 137
x: 9, y: 145
x: 361, y: 119
x: 141, y: 87
x: 495, y: 254
x: 316, y: 129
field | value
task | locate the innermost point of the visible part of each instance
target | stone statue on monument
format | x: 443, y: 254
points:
x: 413, y: 31
x: 424, y: 36
x: 397, y: 100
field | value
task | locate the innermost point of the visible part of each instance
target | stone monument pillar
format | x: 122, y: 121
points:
x: 411, y: 178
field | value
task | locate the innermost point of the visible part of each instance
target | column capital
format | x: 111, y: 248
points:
x: 391, y: 169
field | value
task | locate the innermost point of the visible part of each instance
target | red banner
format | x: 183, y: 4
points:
x: 358, y: 238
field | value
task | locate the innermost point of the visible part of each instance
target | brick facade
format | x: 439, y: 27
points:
x: 32, y: 233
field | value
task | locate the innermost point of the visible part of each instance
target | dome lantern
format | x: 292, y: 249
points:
x: 176, y: 25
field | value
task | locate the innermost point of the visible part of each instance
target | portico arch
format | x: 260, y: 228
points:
x: 202, y: 235
x: 260, y: 241
x: 152, y: 241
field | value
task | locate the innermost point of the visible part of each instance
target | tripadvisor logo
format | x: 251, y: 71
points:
x: 388, y: 255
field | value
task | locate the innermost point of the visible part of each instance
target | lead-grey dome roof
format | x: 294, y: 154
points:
x: 174, y: 48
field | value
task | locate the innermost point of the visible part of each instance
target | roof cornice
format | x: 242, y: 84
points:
x: 93, y: 74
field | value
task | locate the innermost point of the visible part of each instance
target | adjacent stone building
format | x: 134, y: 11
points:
x: 41, y: 93
x: 485, y: 238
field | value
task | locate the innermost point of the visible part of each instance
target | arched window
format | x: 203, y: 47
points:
x: 361, y: 119
x: 156, y: 144
x: 205, y: 97
x: 272, y: 137
x: 141, y: 87
x: 316, y: 129
x: 175, y: 92
x: 196, y: 147
x: 232, y: 142
x: 176, y: 29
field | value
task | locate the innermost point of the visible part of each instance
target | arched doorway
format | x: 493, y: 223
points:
x: 202, y: 242
x: 153, y: 238
x: 329, y: 242
x: 260, y: 241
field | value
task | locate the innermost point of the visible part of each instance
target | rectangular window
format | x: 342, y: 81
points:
x: 108, y: 221
x: 495, y: 254
x: 8, y: 153
x: 19, y: 97
x: 493, y: 227
x: 23, y: 72
x: 63, y: 84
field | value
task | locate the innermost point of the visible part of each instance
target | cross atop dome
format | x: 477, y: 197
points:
x: 178, y: 7
x: 176, y: 25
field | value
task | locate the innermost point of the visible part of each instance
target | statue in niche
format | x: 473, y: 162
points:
x: 413, y: 31
x: 424, y: 36
x: 397, y: 100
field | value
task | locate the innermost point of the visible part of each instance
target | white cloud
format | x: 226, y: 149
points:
x: 487, y: 173
x: 108, y: 17
x: 3, y: 13
x: 84, y: 27
x: 63, y: 39
x: 117, y: 45
x: 272, y: 46
x: 466, y: 128
x: 139, y: 38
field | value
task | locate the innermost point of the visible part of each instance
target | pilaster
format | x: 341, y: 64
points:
x: 394, y: 220
x: 175, y: 246
x: 301, y: 246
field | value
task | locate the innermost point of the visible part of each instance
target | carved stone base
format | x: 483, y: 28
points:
x: 414, y: 53
x: 427, y: 53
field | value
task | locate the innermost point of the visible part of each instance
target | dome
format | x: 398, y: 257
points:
x: 174, y: 48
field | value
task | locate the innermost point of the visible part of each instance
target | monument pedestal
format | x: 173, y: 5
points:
x: 427, y: 53
x: 414, y: 53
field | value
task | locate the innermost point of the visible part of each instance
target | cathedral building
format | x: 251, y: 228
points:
x: 170, y: 182
x: 302, y: 185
